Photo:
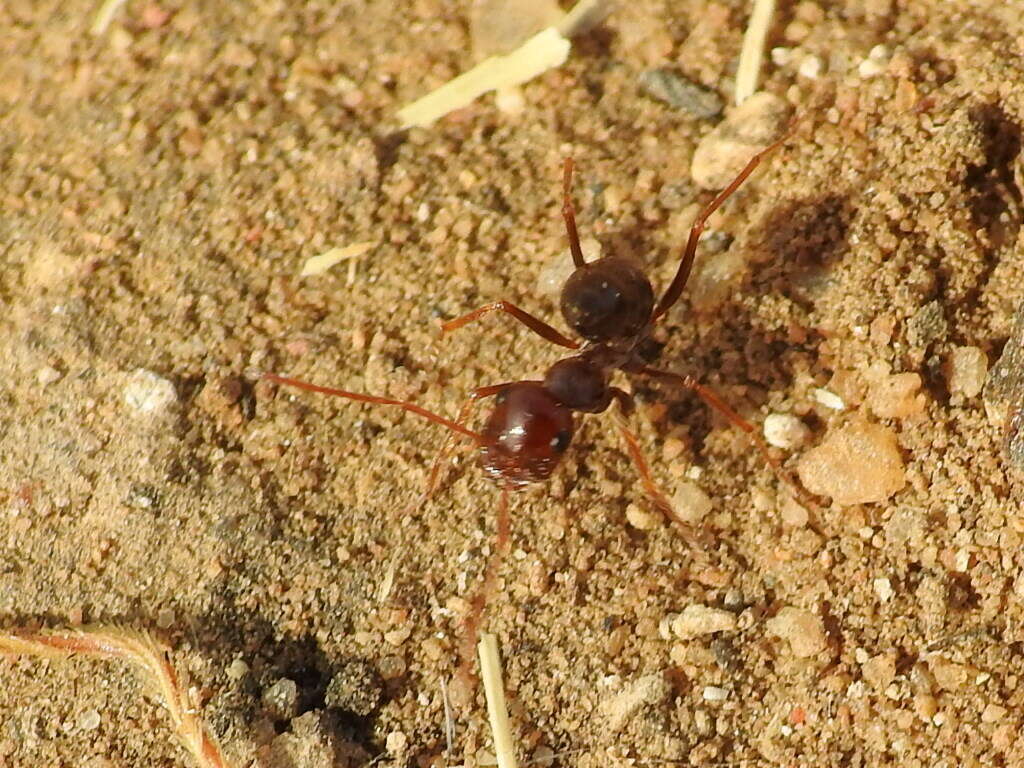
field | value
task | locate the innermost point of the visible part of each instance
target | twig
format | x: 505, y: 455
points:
x: 145, y: 654
x: 494, y: 691
x: 752, y: 52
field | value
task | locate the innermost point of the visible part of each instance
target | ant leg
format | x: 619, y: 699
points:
x: 445, y: 451
x: 654, y: 493
x: 675, y: 289
x: 359, y: 397
x: 713, y: 400
x: 569, y: 214
x: 471, y: 624
x: 536, y: 325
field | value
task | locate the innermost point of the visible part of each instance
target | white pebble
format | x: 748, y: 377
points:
x: 784, y: 430
x: 828, y: 399
x: 868, y: 69
x: 883, y: 588
x: 641, y: 519
x: 396, y: 742
x: 148, y: 393
x: 781, y: 56
x: 714, y: 693
x: 810, y: 67
x: 691, y: 503
x: 237, y: 670
x: 47, y: 375
x: 698, y: 620
x: 89, y: 720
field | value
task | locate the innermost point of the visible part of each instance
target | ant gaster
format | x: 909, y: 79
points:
x: 610, y: 303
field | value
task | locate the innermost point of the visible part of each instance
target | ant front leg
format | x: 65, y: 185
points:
x: 535, y: 324
x: 675, y: 289
x: 626, y: 407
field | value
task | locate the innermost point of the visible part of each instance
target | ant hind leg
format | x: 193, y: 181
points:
x: 626, y: 406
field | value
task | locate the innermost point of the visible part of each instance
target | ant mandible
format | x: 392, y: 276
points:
x: 610, y: 304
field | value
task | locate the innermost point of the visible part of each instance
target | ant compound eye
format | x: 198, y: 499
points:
x: 561, y: 441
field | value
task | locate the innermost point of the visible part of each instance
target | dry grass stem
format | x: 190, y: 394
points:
x: 145, y: 654
x: 494, y: 691
x: 752, y: 53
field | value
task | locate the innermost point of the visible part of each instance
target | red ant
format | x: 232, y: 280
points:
x: 610, y: 304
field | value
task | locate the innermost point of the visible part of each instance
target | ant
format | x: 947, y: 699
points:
x: 610, y: 304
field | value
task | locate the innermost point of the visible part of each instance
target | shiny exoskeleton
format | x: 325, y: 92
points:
x: 610, y: 304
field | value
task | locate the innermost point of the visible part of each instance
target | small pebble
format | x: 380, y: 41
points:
x: 237, y: 670
x: 747, y: 130
x: 883, y: 588
x: 146, y: 392
x: 675, y: 90
x: 543, y: 755
x: 781, y: 56
x: 646, y: 691
x: 281, y: 700
x: 691, y: 503
x: 803, y: 630
x: 698, y: 620
x: 357, y: 688
x: 879, y: 671
x: 810, y: 67
x: 642, y: 519
x: 784, y: 430
x: 793, y: 513
x: 965, y: 371
x: 47, y: 375
x: 896, y: 396
x: 828, y: 399
x: 993, y: 713
x: 89, y: 720
x: 927, y: 325
x: 165, y: 618
x: 392, y: 667
x: 858, y: 463
x: 714, y: 693
x: 396, y: 742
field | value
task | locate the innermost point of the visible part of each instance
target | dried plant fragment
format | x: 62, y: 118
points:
x: 497, y: 709
x: 543, y: 51
x: 494, y: 32
x: 319, y: 264
x: 752, y: 52
x: 145, y: 654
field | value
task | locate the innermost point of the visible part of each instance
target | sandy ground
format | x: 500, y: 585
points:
x: 162, y: 185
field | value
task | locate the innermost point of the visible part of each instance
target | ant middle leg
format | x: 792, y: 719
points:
x: 712, y: 399
x: 535, y: 324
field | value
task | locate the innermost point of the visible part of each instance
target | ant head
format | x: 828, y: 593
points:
x: 607, y: 299
x: 579, y: 384
x: 526, y: 434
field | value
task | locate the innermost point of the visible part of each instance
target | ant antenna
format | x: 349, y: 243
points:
x: 569, y: 214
